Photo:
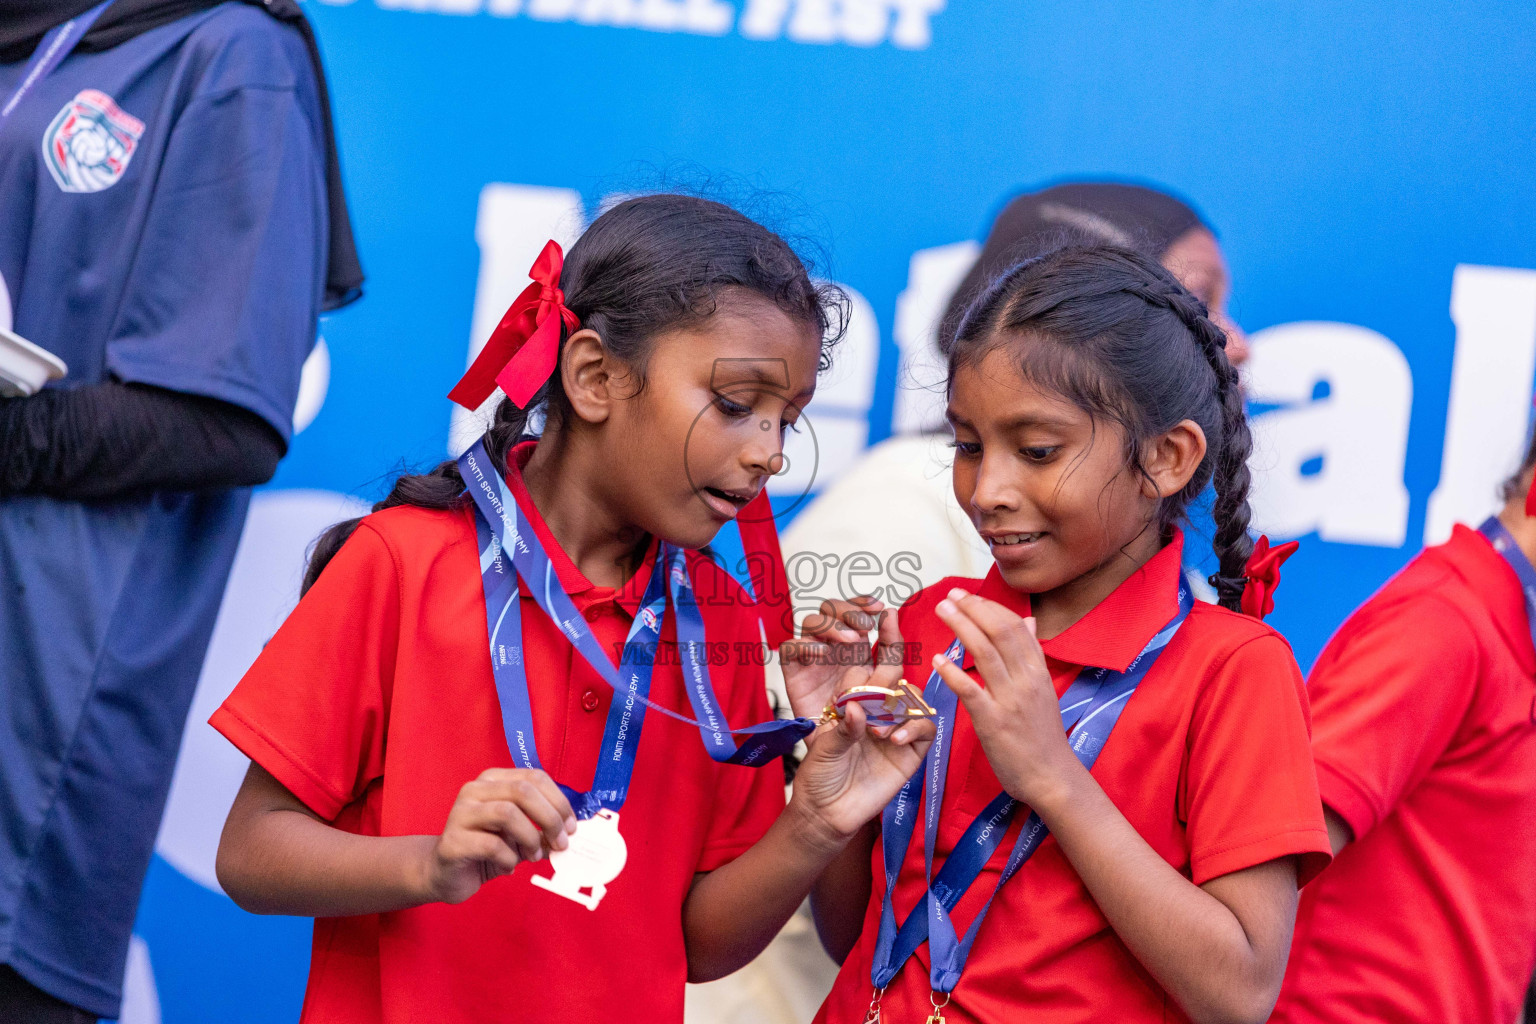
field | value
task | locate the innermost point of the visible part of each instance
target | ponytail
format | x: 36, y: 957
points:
x: 440, y: 489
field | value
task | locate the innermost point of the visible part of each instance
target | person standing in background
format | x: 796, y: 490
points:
x: 1424, y: 734
x: 907, y: 477
x: 171, y: 226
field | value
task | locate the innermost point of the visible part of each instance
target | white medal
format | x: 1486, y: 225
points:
x: 594, y: 858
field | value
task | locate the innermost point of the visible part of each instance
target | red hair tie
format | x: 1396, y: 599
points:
x: 1263, y: 575
x: 521, y: 353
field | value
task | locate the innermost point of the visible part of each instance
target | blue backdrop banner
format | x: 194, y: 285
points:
x: 1363, y: 164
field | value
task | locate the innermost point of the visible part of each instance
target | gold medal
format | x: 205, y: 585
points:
x: 882, y: 705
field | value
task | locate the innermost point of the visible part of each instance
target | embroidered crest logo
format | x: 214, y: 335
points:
x: 89, y: 143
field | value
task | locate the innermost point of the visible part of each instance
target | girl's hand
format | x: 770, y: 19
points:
x: 1016, y: 715
x: 833, y: 639
x: 852, y: 769
x: 502, y: 818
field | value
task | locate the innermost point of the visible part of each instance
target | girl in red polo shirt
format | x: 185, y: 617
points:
x: 468, y: 761
x: 1091, y: 401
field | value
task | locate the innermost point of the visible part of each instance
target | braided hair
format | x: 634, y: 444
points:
x: 1115, y: 333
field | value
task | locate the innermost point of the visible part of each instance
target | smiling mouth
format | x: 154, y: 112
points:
x: 1008, y: 540
x: 725, y: 503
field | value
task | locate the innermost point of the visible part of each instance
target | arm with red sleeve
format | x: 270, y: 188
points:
x: 1254, y: 829
x: 311, y: 714
x: 1217, y: 946
x: 313, y: 709
x: 1387, y: 696
x: 758, y: 862
x: 1249, y: 792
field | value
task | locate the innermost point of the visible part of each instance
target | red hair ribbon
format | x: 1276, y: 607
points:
x: 520, y: 356
x: 1263, y: 574
x: 521, y: 352
x: 765, y: 563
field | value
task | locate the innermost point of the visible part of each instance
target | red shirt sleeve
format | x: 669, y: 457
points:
x: 313, y: 709
x: 1249, y: 794
x: 748, y: 799
x: 1388, y: 694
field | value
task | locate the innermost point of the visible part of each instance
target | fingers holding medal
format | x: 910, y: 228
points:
x: 833, y: 638
x: 879, y: 692
x: 874, y: 734
x: 500, y: 819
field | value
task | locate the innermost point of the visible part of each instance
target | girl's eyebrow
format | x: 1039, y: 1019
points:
x: 752, y: 372
x: 1014, y: 423
x: 1033, y: 420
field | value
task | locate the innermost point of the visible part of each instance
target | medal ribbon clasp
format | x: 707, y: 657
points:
x: 882, y: 705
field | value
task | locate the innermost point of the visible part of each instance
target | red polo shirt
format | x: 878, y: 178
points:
x: 374, y: 703
x: 1209, y: 762
x: 1426, y: 745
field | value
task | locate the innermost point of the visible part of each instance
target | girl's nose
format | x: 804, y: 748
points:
x: 996, y: 489
x: 764, y: 452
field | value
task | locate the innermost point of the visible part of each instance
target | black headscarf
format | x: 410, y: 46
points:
x: 1130, y: 215
x: 24, y: 22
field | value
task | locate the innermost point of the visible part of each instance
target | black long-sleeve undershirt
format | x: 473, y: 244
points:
x: 111, y: 439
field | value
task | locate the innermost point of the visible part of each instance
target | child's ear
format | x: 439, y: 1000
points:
x: 586, y: 371
x: 1170, y: 459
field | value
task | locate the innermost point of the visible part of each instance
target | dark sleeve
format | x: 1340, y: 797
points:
x: 111, y: 439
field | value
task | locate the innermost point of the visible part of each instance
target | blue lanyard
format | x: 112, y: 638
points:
x: 626, y: 715
x: 503, y: 529
x: 54, y: 47
x: 1505, y: 545
x: 1089, y: 710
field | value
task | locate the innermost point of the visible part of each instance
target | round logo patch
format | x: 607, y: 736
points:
x: 89, y: 143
